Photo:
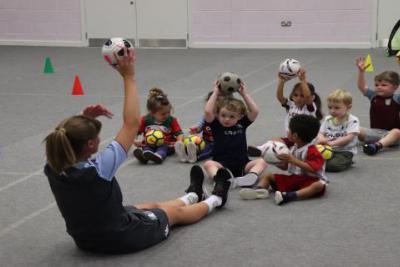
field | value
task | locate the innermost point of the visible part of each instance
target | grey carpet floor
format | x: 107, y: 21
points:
x: 355, y: 224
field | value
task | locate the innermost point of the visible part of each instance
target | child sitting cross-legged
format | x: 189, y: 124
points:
x: 340, y: 131
x: 304, y: 163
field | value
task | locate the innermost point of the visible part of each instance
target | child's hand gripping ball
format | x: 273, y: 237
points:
x: 325, y: 150
x: 154, y: 138
x: 272, y: 149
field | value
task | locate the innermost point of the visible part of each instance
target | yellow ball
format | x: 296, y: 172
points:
x: 196, y: 140
x: 154, y: 138
x: 326, y: 151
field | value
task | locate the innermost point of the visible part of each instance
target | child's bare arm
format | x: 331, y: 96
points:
x: 344, y: 140
x: 209, y: 110
x: 305, y: 88
x: 289, y: 158
x: 321, y: 139
x: 250, y: 103
x: 279, y: 90
x: 361, y: 84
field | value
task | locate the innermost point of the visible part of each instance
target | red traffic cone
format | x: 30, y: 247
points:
x: 77, y: 88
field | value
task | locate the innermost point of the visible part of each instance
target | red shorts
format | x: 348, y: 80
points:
x: 288, y: 183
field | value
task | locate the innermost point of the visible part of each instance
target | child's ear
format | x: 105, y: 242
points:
x: 349, y: 106
x: 295, y: 136
x: 91, y: 143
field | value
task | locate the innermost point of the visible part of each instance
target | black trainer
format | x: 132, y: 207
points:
x: 253, y: 151
x: 222, y: 184
x: 153, y: 156
x: 196, y: 182
x: 138, y: 154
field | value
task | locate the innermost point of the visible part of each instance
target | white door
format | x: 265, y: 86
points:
x: 162, y: 23
x: 107, y: 19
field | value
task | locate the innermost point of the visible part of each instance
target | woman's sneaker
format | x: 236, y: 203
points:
x: 222, y: 185
x: 138, y: 154
x: 181, y: 151
x: 196, y: 182
x: 253, y: 193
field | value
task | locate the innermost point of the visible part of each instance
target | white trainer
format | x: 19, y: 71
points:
x: 191, y: 149
x: 251, y: 193
x: 181, y: 151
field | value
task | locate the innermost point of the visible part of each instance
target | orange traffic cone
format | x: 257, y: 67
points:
x: 77, y: 88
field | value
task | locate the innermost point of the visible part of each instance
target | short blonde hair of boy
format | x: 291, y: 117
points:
x: 341, y: 96
x: 232, y: 104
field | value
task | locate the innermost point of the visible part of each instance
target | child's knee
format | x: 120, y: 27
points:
x: 318, y: 186
x: 396, y: 132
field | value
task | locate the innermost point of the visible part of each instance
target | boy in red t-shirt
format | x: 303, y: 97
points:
x: 304, y: 163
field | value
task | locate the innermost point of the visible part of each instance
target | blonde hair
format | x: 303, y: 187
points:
x: 388, y: 76
x: 156, y: 100
x: 340, y: 96
x: 66, y: 142
x: 232, y: 104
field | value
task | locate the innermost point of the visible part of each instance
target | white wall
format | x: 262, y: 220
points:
x: 41, y: 22
x: 65, y: 22
x: 388, y: 15
x: 289, y: 23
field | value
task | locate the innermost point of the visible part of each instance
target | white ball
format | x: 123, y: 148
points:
x: 228, y: 83
x: 114, y: 45
x: 289, y: 68
x: 272, y: 149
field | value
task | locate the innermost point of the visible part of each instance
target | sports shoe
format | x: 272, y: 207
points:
x: 153, y: 156
x: 280, y: 198
x: 253, y: 151
x: 138, y: 154
x: 370, y: 149
x: 248, y: 180
x: 222, y: 185
x: 181, y: 151
x: 196, y: 182
x: 253, y: 193
x: 191, y: 149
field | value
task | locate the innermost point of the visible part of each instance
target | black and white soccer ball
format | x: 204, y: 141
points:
x: 114, y: 45
x: 289, y: 68
x: 228, y: 83
x: 272, y: 149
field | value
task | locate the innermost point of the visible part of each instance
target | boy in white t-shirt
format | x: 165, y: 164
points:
x: 340, y: 130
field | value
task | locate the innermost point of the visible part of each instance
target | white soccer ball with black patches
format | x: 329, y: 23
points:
x: 289, y: 68
x: 272, y: 149
x: 114, y: 45
x: 228, y: 83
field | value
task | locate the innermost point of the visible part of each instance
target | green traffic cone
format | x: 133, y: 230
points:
x: 48, y: 67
